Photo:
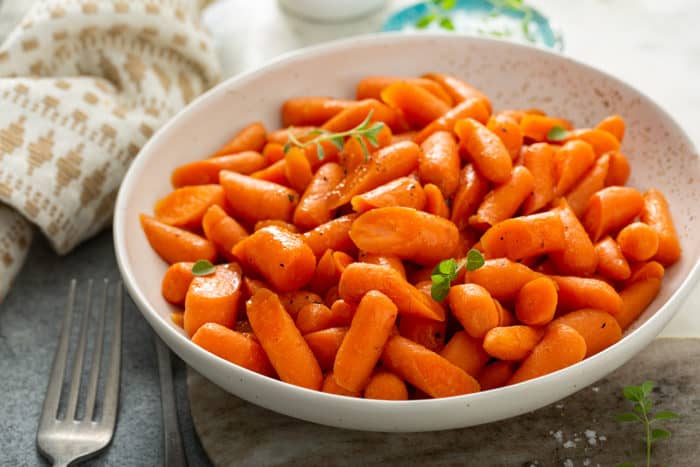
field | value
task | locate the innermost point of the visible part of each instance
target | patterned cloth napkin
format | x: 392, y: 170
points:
x: 83, y: 85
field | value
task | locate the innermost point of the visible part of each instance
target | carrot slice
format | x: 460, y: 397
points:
x: 503, y: 201
x: 474, y: 308
x: 470, y: 191
x: 502, y: 277
x: 511, y: 342
x: 525, y: 236
x: 313, y: 208
x: 583, y: 292
x: 539, y: 160
x: 508, y: 130
x: 615, y: 125
x: 439, y: 162
x: 470, y: 108
x: 417, y: 105
x: 404, y: 191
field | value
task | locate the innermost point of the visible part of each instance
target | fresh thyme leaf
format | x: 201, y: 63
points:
x: 447, y: 270
x: 448, y: 4
x: 557, y: 133
x: 665, y: 415
x: 647, y: 387
x: 287, y: 146
x: 365, y: 151
x: 632, y: 393
x: 372, y: 138
x: 659, y: 433
x: 315, y: 132
x: 320, y: 152
x: 203, y: 268
x: 474, y: 260
x: 338, y: 142
x: 628, y: 417
x: 446, y: 23
x: 424, y: 21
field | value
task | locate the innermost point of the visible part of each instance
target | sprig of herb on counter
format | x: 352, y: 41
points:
x: 365, y: 129
x: 203, y: 268
x: 517, y: 6
x: 557, y: 133
x: 639, y: 396
x: 447, y: 271
x: 437, y: 13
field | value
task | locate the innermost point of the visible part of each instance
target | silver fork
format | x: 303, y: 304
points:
x: 69, y: 439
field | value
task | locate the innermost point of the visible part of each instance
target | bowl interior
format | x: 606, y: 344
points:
x: 513, y: 76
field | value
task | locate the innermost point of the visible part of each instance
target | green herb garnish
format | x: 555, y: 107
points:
x: 517, y: 6
x: 437, y: 12
x: 369, y: 131
x: 445, y: 272
x: 557, y: 133
x: 639, y: 396
x: 203, y: 268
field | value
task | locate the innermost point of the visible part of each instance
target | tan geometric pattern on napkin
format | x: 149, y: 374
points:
x: 83, y: 85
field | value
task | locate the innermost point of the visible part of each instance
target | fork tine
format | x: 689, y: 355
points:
x: 109, y: 410
x: 96, y: 357
x: 53, y: 390
x: 79, y: 357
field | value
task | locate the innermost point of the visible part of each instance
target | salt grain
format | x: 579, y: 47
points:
x: 595, y: 389
x: 591, y: 437
x: 586, y: 462
x: 603, y: 438
x: 558, y: 435
x: 569, y: 444
x: 568, y: 463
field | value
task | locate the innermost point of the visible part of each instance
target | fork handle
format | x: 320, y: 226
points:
x: 173, y: 446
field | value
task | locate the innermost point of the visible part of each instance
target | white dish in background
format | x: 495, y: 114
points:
x: 514, y: 76
x: 331, y: 10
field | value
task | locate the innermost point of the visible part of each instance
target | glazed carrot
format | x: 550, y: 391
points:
x: 465, y: 352
x: 638, y: 241
x: 394, y: 262
x: 512, y: 343
x: 425, y: 369
x: 434, y: 201
x: 643, y: 271
x: 525, y: 236
x: 222, y: 230
x: 251, y: 286
x: 295, y: 300
x: 206, y: 171
x: 331, y: 296
x: 174, y: 244
x: 508, y: 130
x: 458, y: 90
x: 495, y: 375
x: 583, y: 292
x: 325, y: 344
x: 636, y: 297
x: 275, y: 173
x: 503, y: 201
x: 537, y: 302
x: 360, y: 278
x: 272, y: 152
x: 331, y: 386
x: 281, y: 136
x: 186, y: 206
x: 417, y: 105
x: 233, y: 346
x: 372, y: 87
x: 486, y: 150
x: 314, y: 317
x: 328, y: 270
x: 537, y: 127
x: 505, y: 317
x: 610, y: 209
x: 252, y: 200
x: 602, y: 141
x: 250, y: 138
x: 178, y: 318
x: 474, y: 308
x: 469, y: 108
x: 287, y: 350
x: 614, y: 125
x: 560, y: 347
x: 502, y: 277
x: 313, y: 209
x: 598, y: 328
x: 592, y: 182
x: 657, y: 215
x: 213, y: 298
x: 404, y: 191
x: 539, y: 160
x: 406, y: 233
x: 404, y: 136
x: 342, y: 312
x: 356, y: 113
x: 518, y: 114
x: 439, y: 162
x: 176, y: 281
x: 571, y: 162
x: 426, y: 332
x: 276, y: 223
x: 362, y: 346
x: 297, y: 169
x: 578, y: 258
x: 384, y: 385
x: 280, y: 256
x: 611, y: 262
x: 333, y: 234
x: 312, y: 111
x: 470, y: 191
x: 619, y: 169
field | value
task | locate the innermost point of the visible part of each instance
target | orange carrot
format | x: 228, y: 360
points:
x: 331, y: 386
x: 425, y: 369
x: 572, y: 161
x: 176, y: 281
x: 331, y: 296
x: 466, y: 352
x: 281, y: 136
x: 486, y: 150
x: 470, y: 108
x: 518, y: 114
x: 426, y: 332
x: 505, y: 317
x: 470, y: 191
x: 313, y: 209
x: 252, y: 200
x: 458, y: 90
x: 503, y: 201
x: 582, y: 292
x: 280, y: 256
x: 611, y: 262
x: 328, y: 270
x: 325, y: 344
x: 356, y: 113
x: 394, y: 262
x: 384, y: 385
x: 362, y: 346
x: 495, y: 375
x: 404, y: 191
x: 602, y: 141
x: 643, y: 271
x: 619, y: 170
x: 578, y: 258
x: 314, y: 317
x: 287, y: 350
x: 295, y: 300
x: 272, y: 152
x: 610, y: 209
x: 598, y: 328
x: 638, y: 241
x: 657, y: 215
x: 537, y: 127
x: 502, y: 277
x: 222, y: 230
x: 417, y: 105
x: 434, y: 201
x: 539, y: 160
x: 333, y: 234
x: 297, y: 169
x: 372, y: 87
x: 614, y: 125
x: 342, y: 312
x: 301, y: 111
x: 213, y: 298
x: 636, y: 297
x: 592, y: 182
x: 207, y: 171
x: 275, y: 223
x: 250, y: 138
x: 508, y: 130
x: 275, y: 173
x: 512, y: 343
x: 353, y: 155
x: 174, y: 244
x: 537, y: 302
x: 474, y: 308
x: 233, y: 346
x: 525, y: 236
x: 186, y: 206
x: 178, y: 318
x: 439, y: 162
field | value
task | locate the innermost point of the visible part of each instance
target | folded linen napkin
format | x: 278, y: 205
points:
x: 83, y: 85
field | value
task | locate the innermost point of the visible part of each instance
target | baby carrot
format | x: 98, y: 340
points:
x: 636, y: 297
x: 508, y: 130
x: 275, y: 173
x: 313, y: 111
x: 222, y: 230
x: 578, y: 258
x: 426, y: 332
x: 611, y: 262
x: 598, y: 328
x: 539, y: 160
x: 643, y: 271
x: 426, y: 370
x: 233, y: 346
x: 502, y: 277
x: 275, y: 223
x: 537, y: 127
x: 474, y: 308
x: 434, y: 201
x: 325, y: 344
x: 406, y: 233
x: 213, y: 298
x: 469, y: 108
x: 353, y: 155
x: 272, y: 152
x: 439, y: 162
x: 295, y: 300
x: 537, y: 302
x: 287, y: 350
x: 657, y: 215
x: 297, y: 169
x: 372, y: 87
x: 583, y: 292
x: 486, y: 150
x: 610, y: 209
x: 512, y: 343
x: 614, y: 125
x: 392, y: 261
x: 384, y: 385
x: 525, y: 236
x: 328, y: 270
x: 250, y: 138
x: 281, y: 136
x: 178, y: 318
x: 458, y: 89
x: 331, y: 386
x: 206, y: 171
x: 333, y: 234
x: 560, y: 347
x: 404, y: 191
x: 314, y: 317
x: 174, y: 244
x: 357, y: 112
x: 602, y: 141
x: 186, y: 206
x: 281, y: 257
x: 466, y: 352
x: 619, y: 169
x: 495, y: 375
x: 417, y: 105
x: 638, y: 241
x: 362, y: 346
x: 252, y: 200
x: 592, y: 182
x: 471, y: 189
x: 313, y: 209
x: 503, y: 201
x: 571, y: 162
x: 176, y: 281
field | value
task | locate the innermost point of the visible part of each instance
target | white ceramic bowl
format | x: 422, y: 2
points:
x: 514, y: 76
